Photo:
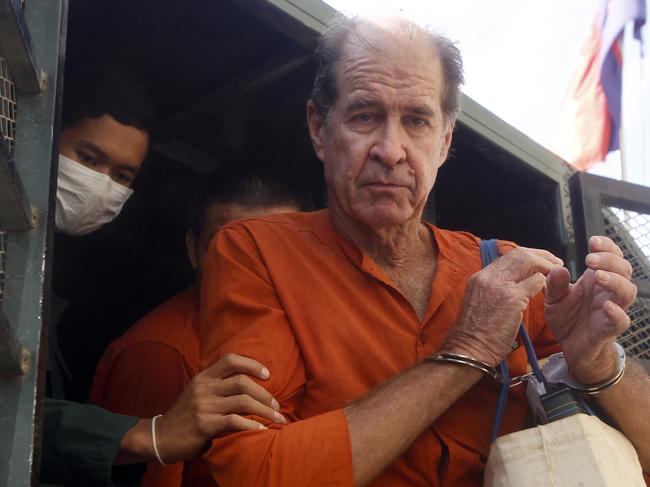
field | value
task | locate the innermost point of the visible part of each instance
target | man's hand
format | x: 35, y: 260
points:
x: 211, y: 404
x: 587, y: 316
x: 495, y: 301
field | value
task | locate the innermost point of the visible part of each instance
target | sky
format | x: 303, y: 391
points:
x: 519, y: 55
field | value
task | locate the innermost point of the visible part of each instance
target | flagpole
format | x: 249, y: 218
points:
x: 644, y: 100
x: 635, y: 109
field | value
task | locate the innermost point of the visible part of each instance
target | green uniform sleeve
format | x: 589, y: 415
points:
x: 80, y: 442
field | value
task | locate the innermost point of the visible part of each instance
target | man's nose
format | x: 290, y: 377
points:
x: 390, y: 149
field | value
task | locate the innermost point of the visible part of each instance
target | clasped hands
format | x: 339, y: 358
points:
x: 585, y: 316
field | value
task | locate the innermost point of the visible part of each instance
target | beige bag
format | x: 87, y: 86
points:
x: 580, y: 450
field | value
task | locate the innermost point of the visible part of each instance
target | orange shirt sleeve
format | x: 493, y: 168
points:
x: 143, y: 379
x: 241, y: 313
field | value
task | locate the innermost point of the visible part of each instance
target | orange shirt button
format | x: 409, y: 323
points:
x: 422, y: 338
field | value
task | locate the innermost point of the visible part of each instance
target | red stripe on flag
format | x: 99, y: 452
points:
x: 583, y: 130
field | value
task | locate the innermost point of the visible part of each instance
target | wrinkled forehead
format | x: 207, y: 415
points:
x: 378, y: 55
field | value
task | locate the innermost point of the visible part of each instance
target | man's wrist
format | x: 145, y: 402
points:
x: 557, y: 369
x: 136, y: 445
x: 602, y: 367
x: 471, y: 373
x: 466, y: 361
x: 458, y: 343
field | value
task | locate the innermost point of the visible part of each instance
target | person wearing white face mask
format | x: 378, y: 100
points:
x: 86, y: 199
x: 104, y: 141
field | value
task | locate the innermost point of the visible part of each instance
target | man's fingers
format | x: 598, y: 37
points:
x: 608, y: 261
x: 520, y: 263
x: 245, y: 405
x: 231, y: 363
x: 617, y: 316
x: 544, y: 254
x: 623, y: 291
x: 604, y: 244
x: 241, y: 384
x: 558, y: 282
x: 234, y: 422
x: 532, y: 285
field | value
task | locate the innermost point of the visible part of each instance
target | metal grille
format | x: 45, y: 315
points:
x: 567, y: 172
x: 7, y: 131
x: 636, y: 339
x: 3, y: 260
x: 7, y: 105
x: 631, y: 232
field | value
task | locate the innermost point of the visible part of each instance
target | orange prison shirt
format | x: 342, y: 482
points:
x: 144, y: 371
x: 289, y: 291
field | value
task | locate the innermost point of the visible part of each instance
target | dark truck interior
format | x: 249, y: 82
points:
x: 229, y: 80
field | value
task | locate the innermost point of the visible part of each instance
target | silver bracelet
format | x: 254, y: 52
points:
x: 458, y: 359
x: 556, y: 370
x: 153, y: 439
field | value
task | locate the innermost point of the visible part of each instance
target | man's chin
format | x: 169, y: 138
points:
x: 385, y: 217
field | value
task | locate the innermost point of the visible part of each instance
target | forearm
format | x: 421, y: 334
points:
x: 397, y: 412
x: 343, y: 447
x: 136, y: 445
x: 313, y: 451
x: 625, y: 404
x: 80, y: 442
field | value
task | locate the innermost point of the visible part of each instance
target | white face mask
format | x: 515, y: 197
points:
x: 86, y: 199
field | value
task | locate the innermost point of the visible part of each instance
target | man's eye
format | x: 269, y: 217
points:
x: 417, y: 122
x: 87, y: 160
x: 123, y: 178
x: 364, y: 117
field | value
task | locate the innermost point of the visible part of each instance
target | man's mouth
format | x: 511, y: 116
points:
x: 384, y: 185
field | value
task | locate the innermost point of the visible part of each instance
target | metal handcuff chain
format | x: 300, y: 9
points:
x: 456, y: 358
x: 554, y: 369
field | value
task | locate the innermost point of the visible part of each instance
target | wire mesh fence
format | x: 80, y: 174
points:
x: 7, y: 105
x: 3, y: 261
x: 630, y: 230
x: 7, y: 131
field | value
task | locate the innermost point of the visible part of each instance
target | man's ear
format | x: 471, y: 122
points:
x: 190, y: 244
x: 316, y: 124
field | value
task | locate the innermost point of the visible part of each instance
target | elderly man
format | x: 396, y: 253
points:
x: 346, y: 305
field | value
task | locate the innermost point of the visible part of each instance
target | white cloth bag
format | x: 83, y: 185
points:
x: 579, y: 450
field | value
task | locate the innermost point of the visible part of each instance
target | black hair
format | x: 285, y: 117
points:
x: 247, y: 186
x: 97, y: 90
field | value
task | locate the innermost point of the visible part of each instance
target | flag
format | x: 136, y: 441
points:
x: 590, y: 118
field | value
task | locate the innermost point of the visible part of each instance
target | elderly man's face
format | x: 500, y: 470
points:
x: 386, y: 137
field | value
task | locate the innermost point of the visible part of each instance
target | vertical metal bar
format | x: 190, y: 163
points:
x: 27, y: 254
x: 15, y: 209
x: 17, y: 46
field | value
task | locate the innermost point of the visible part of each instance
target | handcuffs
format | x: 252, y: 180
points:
x: 558, y: 395
x: 555, y: 371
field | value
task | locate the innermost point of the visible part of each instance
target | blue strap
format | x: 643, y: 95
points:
x: 503, y: 399
x: 489, y: 253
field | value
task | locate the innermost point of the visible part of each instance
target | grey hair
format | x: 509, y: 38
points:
x: 331, y: 45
